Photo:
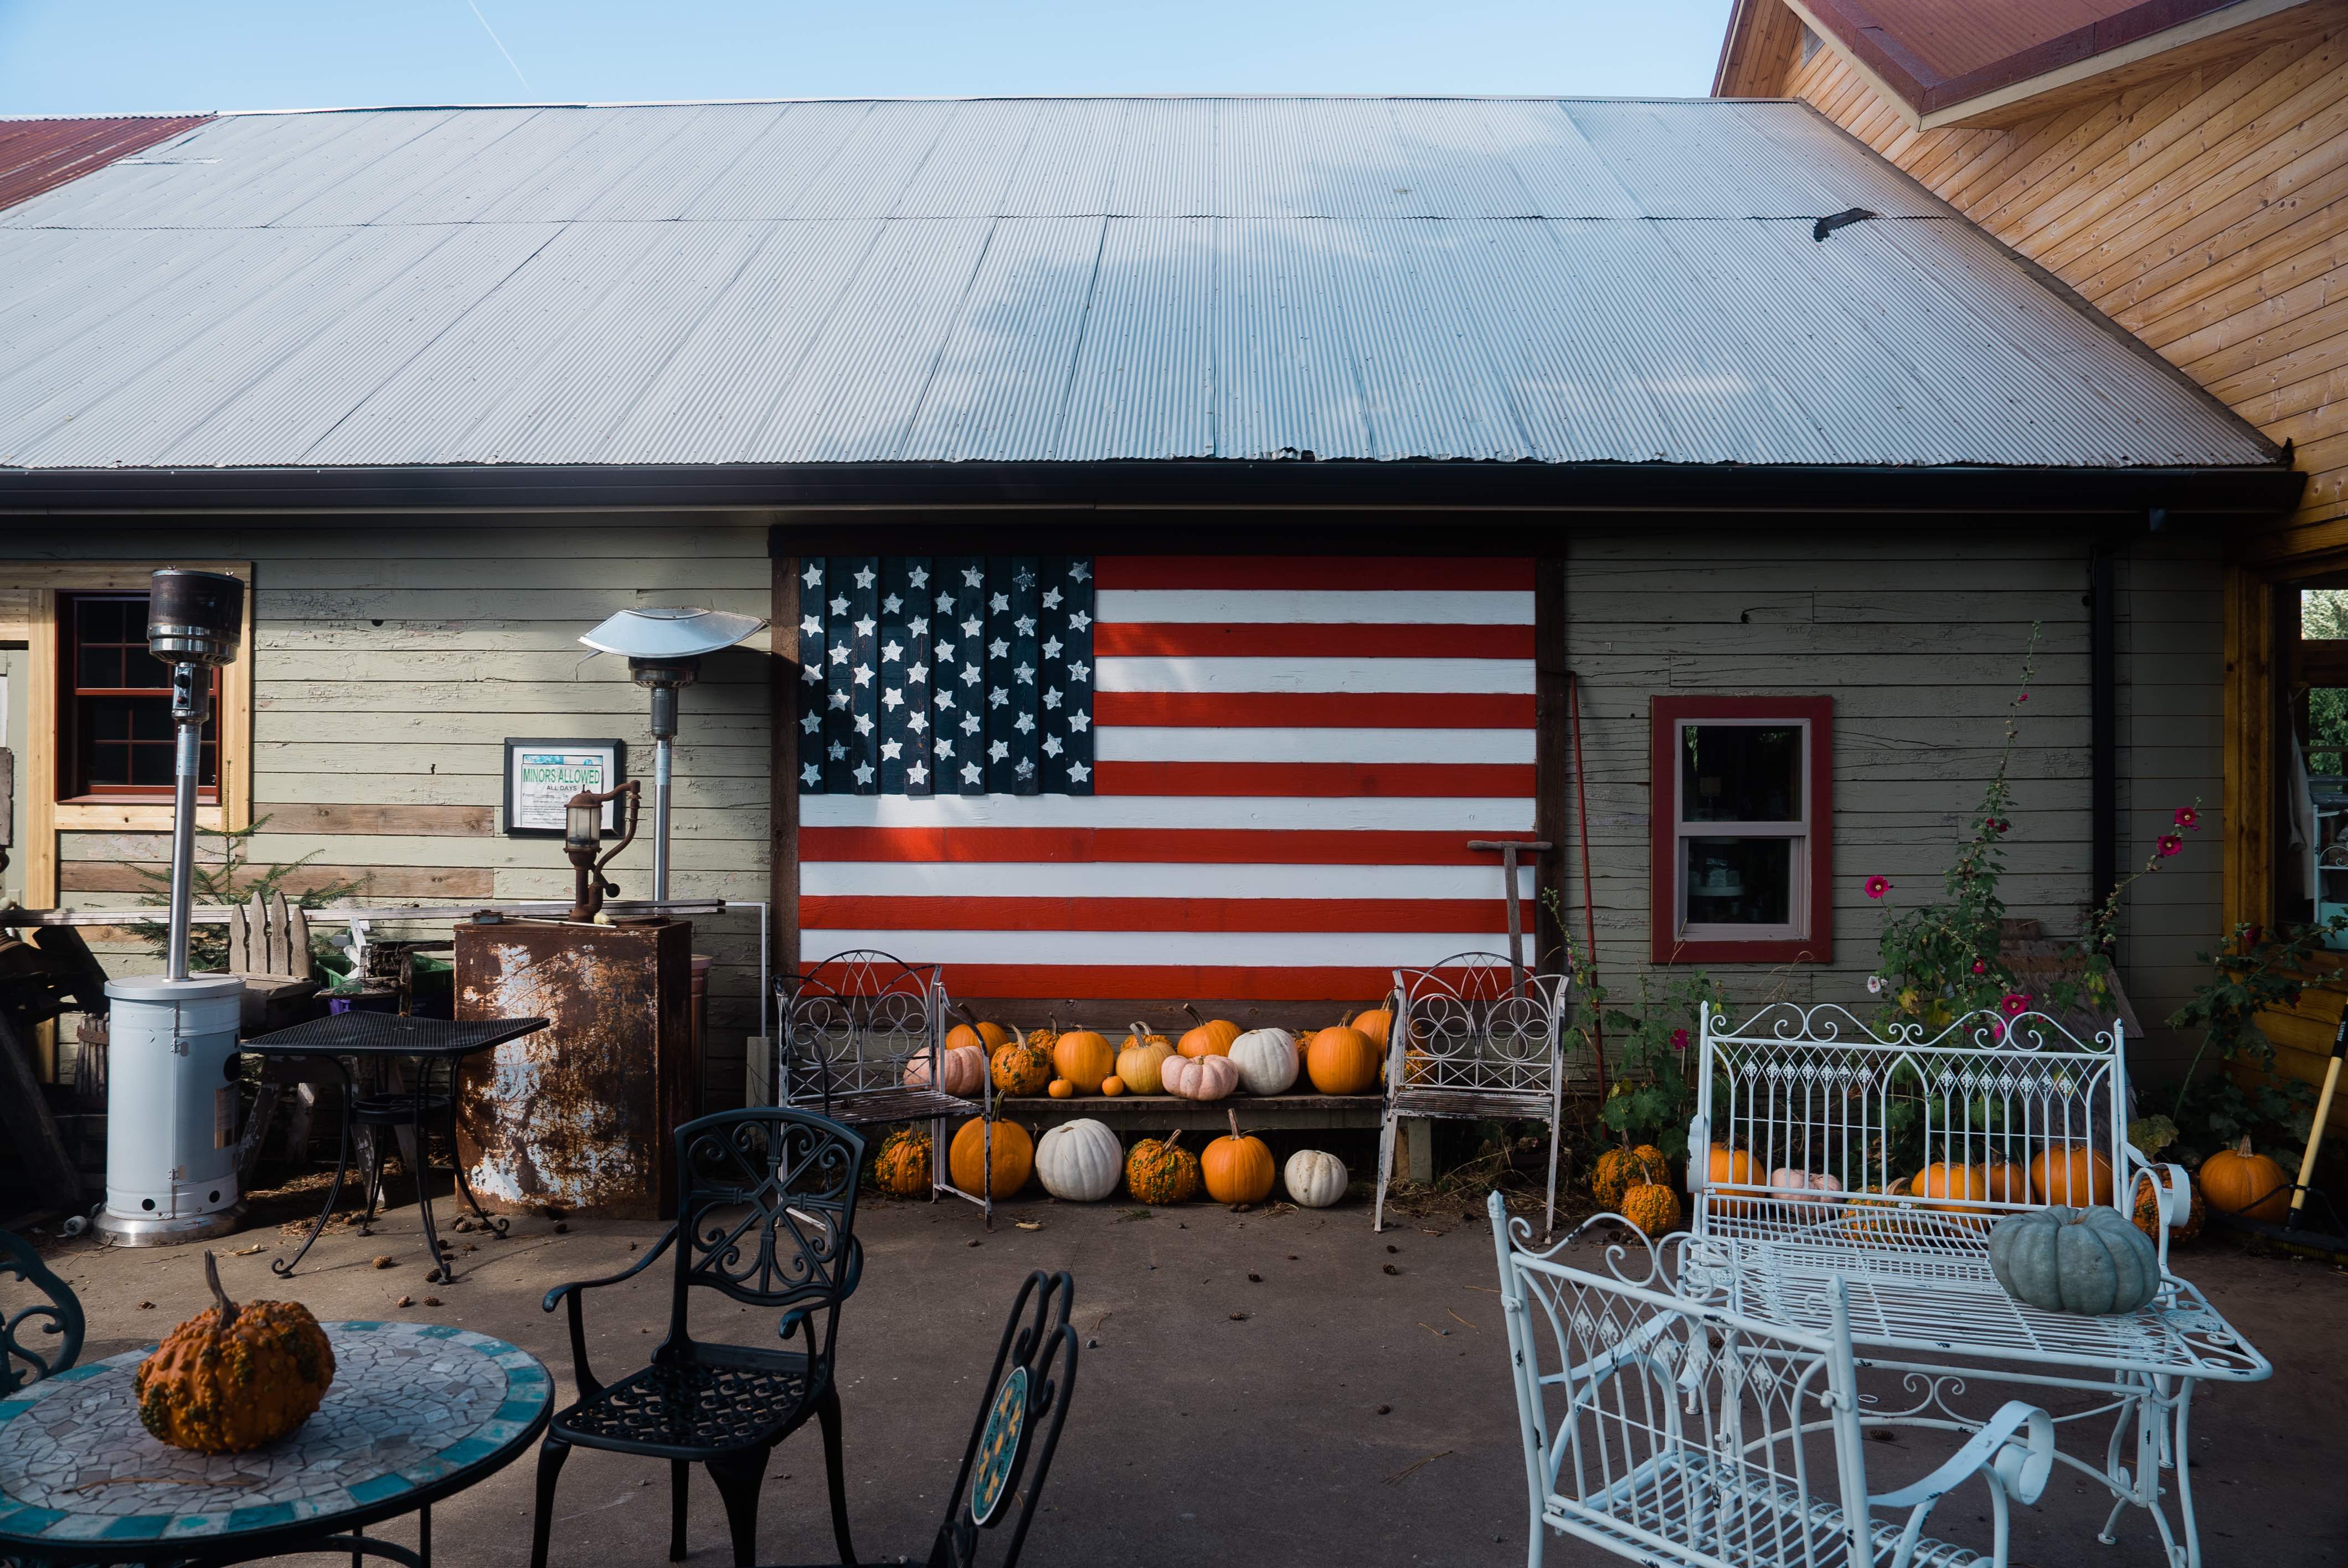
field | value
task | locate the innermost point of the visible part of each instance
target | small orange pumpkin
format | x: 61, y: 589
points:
x: 1084, y: 1059
x: 1341, y: 1060
x: 1012, y: 1163
x: 902, y: 1166
x: 1061, y: 1089
x: 1960, y: 1183
x: 1112, y: 1086
x: 1653, y: 1207
x: 2238, y: 1182
x: 1159, y: 1170
x: 1237, y: 1169
x: 1210, y: 1036
x: 1731, y: 1167
x: 2146, y: 1211
x: 2074, y: 1175
x: 2008, y: 1183
x: 1023, y: 1067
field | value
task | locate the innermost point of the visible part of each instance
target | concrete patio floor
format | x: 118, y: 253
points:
x: 1275, y: 1386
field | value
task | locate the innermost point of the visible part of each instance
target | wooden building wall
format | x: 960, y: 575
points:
x: 2206, y: 211
x: 392, y: 657
x: 1919, y: 638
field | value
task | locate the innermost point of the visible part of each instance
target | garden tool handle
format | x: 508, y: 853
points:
x: 2315, y: 1130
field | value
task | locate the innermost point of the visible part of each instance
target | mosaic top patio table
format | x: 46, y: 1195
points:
x: 418, y: 1412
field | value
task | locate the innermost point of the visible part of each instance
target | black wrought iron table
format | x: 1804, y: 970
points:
x: 417, y: 1411
x: 432, y: 1043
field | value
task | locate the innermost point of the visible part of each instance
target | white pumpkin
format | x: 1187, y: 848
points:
x: 1200, y: 1077
x: 1314, y: 1179
x: 1804, y: 1186
x: 1267, y: 1061
x: 1080, y: 1162
x: 960, y: 1071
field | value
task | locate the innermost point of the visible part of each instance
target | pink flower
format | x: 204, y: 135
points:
x: 1996, y: 824
x: 1877, y: 887
x: 1679, y: 1039
x: 1980, y: 967
x: 2170, y: 844
x: 2188, y: 817
x: 2014, y: 1003
x: 2022, y: 697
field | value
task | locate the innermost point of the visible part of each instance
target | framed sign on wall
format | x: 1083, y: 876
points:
x: 541, y: 776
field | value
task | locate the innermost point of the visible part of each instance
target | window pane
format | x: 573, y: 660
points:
x: 140, y: 668
x: 98, y: 619
x: 1740, y: 881
x: 98, y: 665
x: 2323, y: 614
x: 1740, y: 772
x: 107, y: 718
x: 150, y: 717
x: 150, y: 765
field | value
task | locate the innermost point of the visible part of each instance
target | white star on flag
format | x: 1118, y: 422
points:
x: 1051, y: 599
x: 945, y: 604
x: 864, y: 772
x: 971, y: 577
x: 840, y: 652
x: 812, y: 722
x: 810, y: 775
x: 944, y: 650
x: 1024, y: 723
x: 811, y: 626
x: 1025, y: 626
x: 1052, y: 698
x: 840, y: 699
x: 997, y: 749
x: 839, y: 605
x: 811, y: 673
x: 1023, y: 768
x: 1000, y: 604
x: 890, y: 750
x: 917, y: 721
x: 944, y: 747
x: 919, y: 577
x: 943, y: 700
x: 997, y: 648
x: 892, y: 604
x: 864, y: 578
x: 863, y: 673
x: 997, y: 697
x: 892, y: 699
x: 1079, y: 621
x: 970, y: 723
x: 1052, y: 646
x: 970, y: 773
x: 1026, y: 674
x: 839, y: 751
x: 865, y: 627
x: 917, y: 672
x: 917, y: 627
x: 1079, y: 722
x: 1080, y: 571
x: 1080, y: 670
x: 1052, y: 745
x: 969, y: 675
x: 812, y: 576
x: 1078, y: 772
x: 890, y: 651
x: 918, y: 772
x: 863, y: 723
x: 972, y: 628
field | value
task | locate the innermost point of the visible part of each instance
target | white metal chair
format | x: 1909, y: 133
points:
x: 1474, y: 1038
x: 1669, y: 1430
x: 850, y: 1025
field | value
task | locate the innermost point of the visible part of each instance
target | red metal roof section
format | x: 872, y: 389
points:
x: 37, y: 155
x: 1939, y: 53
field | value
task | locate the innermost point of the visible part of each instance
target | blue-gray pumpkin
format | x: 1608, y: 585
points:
x: 2074, y: 1260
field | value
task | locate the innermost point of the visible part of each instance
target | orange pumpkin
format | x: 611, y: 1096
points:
x: 1653, y: 1207
x: 1341, y: 1060
x: 1061, y: 1089
x: 1141, y: 1064
x: 1377, y: 1024
x: 1961, y: 1184
x: 1731, y: 1167
x: 2238, y: 1182
x: 234, y: 1378
x: 2146, y: 1211
x: 1237, y: 1169
x: 904, y: 1165
x: 1112, y: 1086
x: 2074, y: 1176
x: 1084, y: 1059
x: 1161, y: 1171
x: 2007, y: 1183
x: 1212, y: 1037
x: 1013, y: 1158
x: 1023, y: 1067
x: 985, y: 1036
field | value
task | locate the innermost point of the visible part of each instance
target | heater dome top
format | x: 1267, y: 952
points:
x: 675, y: 633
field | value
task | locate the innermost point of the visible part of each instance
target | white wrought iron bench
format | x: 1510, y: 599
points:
x: 1474, y: 1038
x: 1668, y: 1430
x: 1812, y: 1108
x: 851, y: 1024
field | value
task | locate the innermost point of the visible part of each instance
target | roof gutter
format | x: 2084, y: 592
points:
x: 2262, y: 491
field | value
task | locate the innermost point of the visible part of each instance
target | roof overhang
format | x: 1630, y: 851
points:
x: 2153, y: 37
x: 2233, y: 492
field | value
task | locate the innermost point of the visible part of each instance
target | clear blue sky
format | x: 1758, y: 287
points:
x: 75, y: 56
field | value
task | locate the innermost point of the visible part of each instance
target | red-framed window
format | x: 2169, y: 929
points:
x: 1743, y: 868
x: 114, y: 704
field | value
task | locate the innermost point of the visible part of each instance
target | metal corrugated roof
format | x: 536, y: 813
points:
x: 37, y: 155
x: 1048, y: 280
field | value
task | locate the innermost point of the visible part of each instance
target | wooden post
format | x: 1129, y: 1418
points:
x: 783, y: 793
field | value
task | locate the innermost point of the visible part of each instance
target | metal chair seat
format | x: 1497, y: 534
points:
x: 880, y: 1105
x: 712, y: 1403
x: 397, y: 1110
x: 1685, y: 1496
x: 1472, y: 1105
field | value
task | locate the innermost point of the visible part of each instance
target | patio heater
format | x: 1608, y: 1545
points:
x: 663, y: 649
x: 170, y: 1097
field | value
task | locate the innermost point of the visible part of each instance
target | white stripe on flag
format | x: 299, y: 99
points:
x: 1154, y: 743
x: 1463, y: 815
x: 1250, y: 950
x: 1058, y: 879
x: 1433, y: 607
x: 1217, y: 674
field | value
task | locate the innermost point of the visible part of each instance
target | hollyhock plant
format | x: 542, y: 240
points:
x: 1679, y: 1039
x: 2169, y: 845
x: 1877, y: 887
x: 2014, y: 1003
x: 2186, y: 818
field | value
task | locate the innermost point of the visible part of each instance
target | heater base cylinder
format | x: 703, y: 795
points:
x: 171, y: 1110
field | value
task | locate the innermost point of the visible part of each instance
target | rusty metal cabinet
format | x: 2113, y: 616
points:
x: 578, y: 1115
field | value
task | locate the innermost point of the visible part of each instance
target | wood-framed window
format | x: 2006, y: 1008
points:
x: 115, y: 735
x: 37, y: 600
x: 1742, y: 866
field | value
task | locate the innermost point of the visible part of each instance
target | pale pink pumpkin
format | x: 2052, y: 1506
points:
x: 1804, y: 1186
x: 1200, y: 1077
x: 960, y: 1071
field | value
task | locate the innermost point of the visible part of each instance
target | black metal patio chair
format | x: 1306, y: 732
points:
x: 1017, y: 1430
x: 766, y: 1215
x: 22, y: 1363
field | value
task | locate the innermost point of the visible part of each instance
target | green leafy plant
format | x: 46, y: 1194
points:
x: 232, y: 878
x: 2253, y: 972
x: 1650, y: 1060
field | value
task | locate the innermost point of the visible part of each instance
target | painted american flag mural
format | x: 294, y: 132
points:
x: 1146, y: 777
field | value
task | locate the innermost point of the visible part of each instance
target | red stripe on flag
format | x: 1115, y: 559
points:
x: 1185, y: 846
x: 1343, y: 781
x: 860, y: 913
x: 1106, y: 982
x: 1369, y: 573
x: 1317, y: 710
x: 1279, y: 640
